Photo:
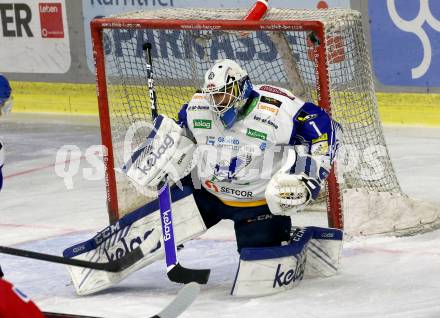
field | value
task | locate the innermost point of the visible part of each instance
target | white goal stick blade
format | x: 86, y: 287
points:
x: 178, y: 305
x: 183, y: 300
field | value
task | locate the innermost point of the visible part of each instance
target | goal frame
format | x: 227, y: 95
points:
x: 334, y: 198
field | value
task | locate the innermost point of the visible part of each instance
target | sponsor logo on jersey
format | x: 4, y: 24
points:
x: 320, y: 145
x: 323, y: 137
x: 234, y: 144
x: 237, y: 192
x: 266, y: 121
x: 263, y: 146
x: 319, y: 149
x: 211, y: 185
x: 270, y: 100
x: 226, y: 190
x: 268, y: 108
x: 256, y: 134
x: 210, y: 140
x: 275, y: 90
x: 228, y: 140
x: 202, y: 123
x: 198, y: 107
x: 303, y: 116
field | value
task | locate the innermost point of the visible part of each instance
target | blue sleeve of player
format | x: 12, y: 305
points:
x: 314, y: 128
x: 182, y: 120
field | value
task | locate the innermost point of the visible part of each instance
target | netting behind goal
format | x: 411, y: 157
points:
x: 320, y: 55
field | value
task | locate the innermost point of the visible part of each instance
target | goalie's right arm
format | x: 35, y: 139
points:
x: 166, y: 152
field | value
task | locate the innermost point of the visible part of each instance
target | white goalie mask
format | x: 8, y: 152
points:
x: 227, y: 87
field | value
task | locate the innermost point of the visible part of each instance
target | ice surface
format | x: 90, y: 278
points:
x: 379, y: 277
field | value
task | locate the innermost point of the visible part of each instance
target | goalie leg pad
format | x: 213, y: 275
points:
x: 324, y: 252
x: 265, y: 271
x: 139, y: 228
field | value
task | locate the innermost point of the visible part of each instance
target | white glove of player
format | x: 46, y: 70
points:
x: 289, y: 193
x: 166, y: 152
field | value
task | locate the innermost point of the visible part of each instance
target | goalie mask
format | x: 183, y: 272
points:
x: 5, y: 96
x: 227, y: 87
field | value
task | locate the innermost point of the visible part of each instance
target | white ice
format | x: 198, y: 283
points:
x: 379, y: 277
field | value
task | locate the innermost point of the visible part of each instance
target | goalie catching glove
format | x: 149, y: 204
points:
x: 289, y: 192
x: 166, y: 152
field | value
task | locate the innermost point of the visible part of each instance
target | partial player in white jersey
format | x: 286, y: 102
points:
x: 255, y: 155
x: 5, y: 107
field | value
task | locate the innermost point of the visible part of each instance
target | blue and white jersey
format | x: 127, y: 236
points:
x: 236, y: 164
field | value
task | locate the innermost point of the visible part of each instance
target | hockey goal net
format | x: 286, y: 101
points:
x: 320, y: 55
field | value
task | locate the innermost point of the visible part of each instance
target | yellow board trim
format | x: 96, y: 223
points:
x: 409, y: 108
x: 394, y: 108
x: 242, y: 204
x: 54, y: 98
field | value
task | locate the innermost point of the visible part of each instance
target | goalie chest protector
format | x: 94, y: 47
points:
x: 237, y: 163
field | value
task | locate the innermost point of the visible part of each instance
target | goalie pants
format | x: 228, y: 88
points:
x: 254, y: 226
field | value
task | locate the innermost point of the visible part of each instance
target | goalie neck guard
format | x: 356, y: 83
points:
x: 227, y: 87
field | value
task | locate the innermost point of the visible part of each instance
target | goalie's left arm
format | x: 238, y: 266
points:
x: 316, y: 138
x: 166, y: 152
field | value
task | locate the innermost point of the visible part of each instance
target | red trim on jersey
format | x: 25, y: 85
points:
x: 275, y: 90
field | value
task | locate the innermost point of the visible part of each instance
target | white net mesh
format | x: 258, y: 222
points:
x: 182, y: 56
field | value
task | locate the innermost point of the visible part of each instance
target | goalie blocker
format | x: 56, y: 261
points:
x: 311, y: 252
x: 166, y: 152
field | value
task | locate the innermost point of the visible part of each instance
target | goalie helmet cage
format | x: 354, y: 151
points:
x: 322, y: 50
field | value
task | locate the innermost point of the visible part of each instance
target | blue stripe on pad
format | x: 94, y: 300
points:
x: 323, y: 233
x: 329, y: 264
x: 292, y: 249
x: 123, y: 223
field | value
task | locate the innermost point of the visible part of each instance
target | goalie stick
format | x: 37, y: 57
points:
x: 178, y: 305
x: 176, y: 272
x: 111, y: 266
